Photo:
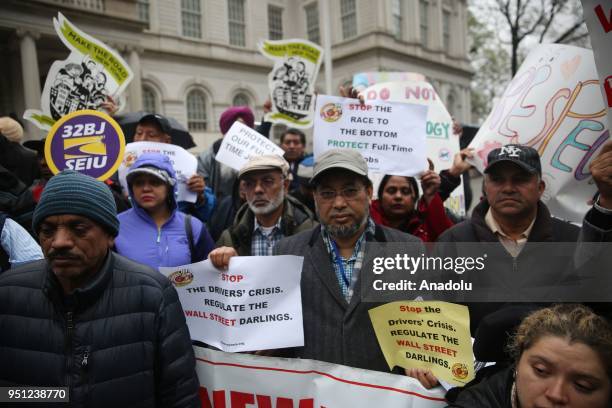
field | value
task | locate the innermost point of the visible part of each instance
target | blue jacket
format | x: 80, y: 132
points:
x: 140, y: 239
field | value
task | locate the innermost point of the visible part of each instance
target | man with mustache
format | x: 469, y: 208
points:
x: 109, y: 329
x: 269, y: 213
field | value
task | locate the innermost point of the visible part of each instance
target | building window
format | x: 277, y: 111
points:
x: 424, y: 22
x: 143, y: 11
x: 312, y: 23
x: 275, y: 22
x: 446, y: 29
x: 397, y: 9
x: 235, y: 10
x: 348, y: 14
x: 241, y: 100
x: 149, y: 100
x: 191, y: 18
x: 196, y: 111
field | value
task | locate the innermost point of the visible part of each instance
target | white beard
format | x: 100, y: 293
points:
x: 271, y: 206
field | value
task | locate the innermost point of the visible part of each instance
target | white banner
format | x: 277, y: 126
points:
x: 390, y: 136
x: 292, y: 80
x: 255, y: 305
x: 442, y: 143
x: 598, y: 17
x: 240, y: 143
x: 363, y: 80
x: 244, y: 381
x: 92, y: 71
x: 554, y: 105
x: 184, y: 163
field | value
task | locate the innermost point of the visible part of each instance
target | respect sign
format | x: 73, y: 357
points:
x: 241, y: 143
x: 431, y: 335
x: 390, y: 136
x: 239, y: 309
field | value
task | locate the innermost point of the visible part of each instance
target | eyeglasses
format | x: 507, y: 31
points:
x: 349, y: 194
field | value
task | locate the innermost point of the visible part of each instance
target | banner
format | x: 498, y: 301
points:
x: 442, y: 143
x: 184, y: 163
x: 598, y: 17
x: 390, y: 136
x: 431, y: 335
x: 245, y: 381
x: 292, y: 80
x: 91, y: 72
x: 363, y: 80
x: 87, y: 141
x: 240, y: 143
x: 554, y: 105
x: 255, y: 305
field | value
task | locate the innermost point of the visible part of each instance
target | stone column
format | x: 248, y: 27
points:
x: 135, y: 87
x: 30, y: 76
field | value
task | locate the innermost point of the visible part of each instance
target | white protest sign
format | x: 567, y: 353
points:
x: 240, y: 143
x: 442, y: 143
x: 292, y: 80
x: 598, y: 16
x: 184, y: 163
x: 554, y: 105
x: 363, y: 80
x: 255, y: 305
x: 242, y: 381
x: 390, y: 136
x: 91, y: 72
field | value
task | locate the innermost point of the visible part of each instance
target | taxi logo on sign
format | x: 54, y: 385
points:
x: 182, y: 277
x: 331, y: 112
x: 460, y: 371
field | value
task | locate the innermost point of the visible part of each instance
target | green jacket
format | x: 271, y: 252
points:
x: 296, y: 218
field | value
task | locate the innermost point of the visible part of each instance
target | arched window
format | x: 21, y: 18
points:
x: 196, y: 111
x: 241, y: 100
x: 149, y: 100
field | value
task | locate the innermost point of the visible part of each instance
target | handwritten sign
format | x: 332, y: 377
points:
x: 255, y: 305
x: 390, y: 136
x: 241, y: 143
x: 430, y: 335
x: 554, y: 105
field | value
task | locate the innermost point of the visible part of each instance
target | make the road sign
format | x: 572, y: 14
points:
x: 87, y: 141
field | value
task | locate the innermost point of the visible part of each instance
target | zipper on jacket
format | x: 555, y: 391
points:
x: 158, y: 235
x: 69, y: 329
x: 85, y: 358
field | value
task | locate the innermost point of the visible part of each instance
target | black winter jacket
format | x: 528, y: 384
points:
x: 121, y: 341
x: 495, y: 391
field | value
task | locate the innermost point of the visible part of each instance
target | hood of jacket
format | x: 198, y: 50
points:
x: 161, y: 162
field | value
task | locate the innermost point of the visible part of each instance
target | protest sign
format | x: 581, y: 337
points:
x: 184, y: 163
x: 255, y: 305
x: 442, y: 143
x: 242, y: 380
x: 390, y: 136
x: 86, y: 141
x: 363, y: 80
x: 91, y: 72
x: 430, y: 335
x: 598, y: 17
x: 240, y: 143
x: 292, y: 80
x: 554, y: 105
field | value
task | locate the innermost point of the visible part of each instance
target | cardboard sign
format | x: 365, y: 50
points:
x: 255, y: 305
x: 240, y: 143
x: 554, y: 105
x: 431, y: 335
x: 240, y: 380
x: 598, y: 17
x: 87, y: 141
x: 292, y: 80
x: 184, y: 163
x: 442, y: 143
x: 390, y: 136
x: 91, y: 72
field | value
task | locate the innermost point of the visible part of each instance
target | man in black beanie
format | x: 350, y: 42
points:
x: 110, y: 330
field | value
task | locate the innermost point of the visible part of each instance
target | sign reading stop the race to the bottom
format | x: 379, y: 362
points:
x: 86, y: 141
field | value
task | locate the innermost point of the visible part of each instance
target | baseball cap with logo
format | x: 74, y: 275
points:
x: 524, y: 156
x: 265, y: 162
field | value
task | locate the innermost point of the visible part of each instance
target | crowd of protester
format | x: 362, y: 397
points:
x: 82, y: 297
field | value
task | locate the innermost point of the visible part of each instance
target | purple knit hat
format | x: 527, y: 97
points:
x: 231, y: 114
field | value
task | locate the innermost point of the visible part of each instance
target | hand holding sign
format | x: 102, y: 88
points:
x: 601, y: 170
